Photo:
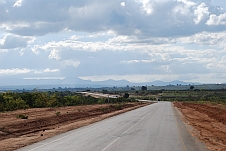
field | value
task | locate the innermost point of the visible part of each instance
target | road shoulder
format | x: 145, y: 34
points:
x: 185, y: 130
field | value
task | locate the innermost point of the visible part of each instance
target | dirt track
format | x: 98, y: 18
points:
x: 46, y: 122
x: 208, y: 120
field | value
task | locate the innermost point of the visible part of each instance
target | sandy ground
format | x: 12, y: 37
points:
x: 209, y: 122
x: 43, y: 123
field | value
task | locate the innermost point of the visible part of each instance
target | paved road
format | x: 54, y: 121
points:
x: 156, y: 127
x: 100, y: 95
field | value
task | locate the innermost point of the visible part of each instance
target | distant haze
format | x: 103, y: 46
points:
x: 79, y: 83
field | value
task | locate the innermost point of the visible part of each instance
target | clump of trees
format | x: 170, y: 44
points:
x: 144, y: 88
x: 126, y: 95
x: 13, y: 101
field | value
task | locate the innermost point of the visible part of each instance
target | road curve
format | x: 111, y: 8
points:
x: 156, y: 127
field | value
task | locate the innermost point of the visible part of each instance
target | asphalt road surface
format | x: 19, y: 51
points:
x: 100, y: 95
x: 155, y: 127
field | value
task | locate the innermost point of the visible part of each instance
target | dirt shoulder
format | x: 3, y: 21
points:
x: 43, y: 123
x: 209, y: 122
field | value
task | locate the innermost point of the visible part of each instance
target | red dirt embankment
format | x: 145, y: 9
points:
x: 208, y: 120
x: 43, y: 123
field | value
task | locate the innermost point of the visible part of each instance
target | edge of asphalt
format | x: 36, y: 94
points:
x: 190, y: 141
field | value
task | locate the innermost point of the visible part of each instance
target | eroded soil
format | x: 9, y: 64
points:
x: 209, y: 122
x: 43, y: 123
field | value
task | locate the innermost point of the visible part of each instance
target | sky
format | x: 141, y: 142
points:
x: 135, y: 40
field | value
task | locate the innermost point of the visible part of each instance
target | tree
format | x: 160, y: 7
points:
x: 126, y: 95
x: 133, y: 89
x: 192, y: 87
x: 143, y: 88
x: 104, y: 91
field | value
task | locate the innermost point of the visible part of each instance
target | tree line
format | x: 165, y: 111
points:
x: 10, y: 101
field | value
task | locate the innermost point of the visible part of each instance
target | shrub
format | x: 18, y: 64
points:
x: 21, y: 116
x: 57, y: 113
x: 101, y: 101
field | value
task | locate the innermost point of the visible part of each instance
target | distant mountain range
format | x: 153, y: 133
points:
x: 77, y: 82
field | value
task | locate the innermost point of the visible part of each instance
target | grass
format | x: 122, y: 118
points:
x: 117, y: 106
x: 104, y: 109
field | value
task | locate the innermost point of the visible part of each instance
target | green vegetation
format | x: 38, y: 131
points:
x: 57, y: 113
x: 217, y: 96
x: 21, y: 116
x: 191, y: 95
x: 126, y: 95
x: 143, y: 88
x: 10, y: 101
x: 117, y: 106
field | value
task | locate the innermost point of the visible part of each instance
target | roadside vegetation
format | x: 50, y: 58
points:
x: 199, y: 96
x: 10, y: 101
x: 190, y: 95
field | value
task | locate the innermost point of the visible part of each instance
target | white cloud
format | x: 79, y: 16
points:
x: 3, y: 50
x: 72, y: 63
x: 147, y: 6
x: 8, y: 26
x: 123, y: 4
x: 45, y: 78
x: 153, y: 17
x: 18, y: 3
x: 120, y: 39
x: 138, y: 61
x: 35, y: 49
x: 183, y: 8
x: 51, y: 70
x: 201, y: 13
x: 204, y: 38
x: 100, y: 34
x: 218, y: 64
x: 187, y: 2
x: 14, y: 71
x: 54, y: 54
x: 217, y: 20
x: 10, y: 41
x: 75, y: 37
